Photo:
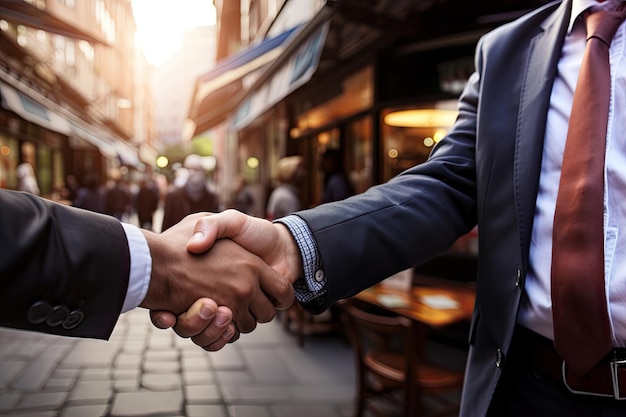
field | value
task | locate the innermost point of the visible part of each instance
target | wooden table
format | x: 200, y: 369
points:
x: 424, y: 304
x: 433, y: 305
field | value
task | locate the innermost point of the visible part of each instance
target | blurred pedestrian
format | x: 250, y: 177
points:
x: 285, y: 198
x: 26, y: 180
x: 146, y: 203
x: 118, y: 199
x: 90, y: 196
x: 71, y: 188
x: 243, y: 199
x: 192, y: 197
x: 336, y: 183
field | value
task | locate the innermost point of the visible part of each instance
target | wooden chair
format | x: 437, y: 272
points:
x: 383, y: 370
x: 299, y: 321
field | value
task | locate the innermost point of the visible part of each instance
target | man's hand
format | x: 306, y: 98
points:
x: 208, y: 325
x: 272, y: 242
x: 228, y: 274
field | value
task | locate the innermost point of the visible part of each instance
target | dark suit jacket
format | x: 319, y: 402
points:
x: 63, y: 270
x: 484, y: 172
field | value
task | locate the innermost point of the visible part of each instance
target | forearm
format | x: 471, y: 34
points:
x: 64, y: 258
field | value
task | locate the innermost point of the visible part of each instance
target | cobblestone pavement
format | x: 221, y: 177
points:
x: 144, y: 371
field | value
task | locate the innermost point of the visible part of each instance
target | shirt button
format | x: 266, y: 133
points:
x: 319, y: 275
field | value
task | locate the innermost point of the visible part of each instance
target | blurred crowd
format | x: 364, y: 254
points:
x: 137, y: 197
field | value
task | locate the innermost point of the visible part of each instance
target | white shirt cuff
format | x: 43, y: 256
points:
x: 140, y: 267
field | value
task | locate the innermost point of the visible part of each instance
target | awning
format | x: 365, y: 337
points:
x: 108, y: 146
x: 30, y: 110
x: 88, y: 135
x: 23, y: 13
x: 215, y: 91
x: 127, y: 154
x: 81, y: 134
x: 148, y: 154
x: 326, y: 48
x: 286, y: 75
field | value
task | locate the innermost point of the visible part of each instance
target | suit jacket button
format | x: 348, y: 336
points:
x: 73, y: 320
x: 38, y: 312
x: 499, y: 358
x: 57, y: 315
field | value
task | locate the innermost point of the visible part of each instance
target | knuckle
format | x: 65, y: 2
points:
x: 247, y: 326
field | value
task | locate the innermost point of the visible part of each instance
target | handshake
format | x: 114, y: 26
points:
x: 215, y: 275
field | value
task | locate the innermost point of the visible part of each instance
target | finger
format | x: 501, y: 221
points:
x: 278, y: 289
x: 230, y: 332
x: 232, y: 224
x: 235, y: 336
x: 246, y: 322
x: 210, y: 228
x: 262, y: 309
x: 197, y: 318
x: 162, y: 319
x: 215, y: 332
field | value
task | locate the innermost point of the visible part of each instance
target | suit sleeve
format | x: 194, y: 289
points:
x: 404, y: 222
x: 63, y: 270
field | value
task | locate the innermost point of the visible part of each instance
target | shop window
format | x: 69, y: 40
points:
x: 358, y: 154
x: 354, y: 95
x: 44, y: 170
x: 9, y: 158
x: 330, y: 139
x: 408, y: 135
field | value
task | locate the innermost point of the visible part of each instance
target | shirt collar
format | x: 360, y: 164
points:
x: 579, y: 6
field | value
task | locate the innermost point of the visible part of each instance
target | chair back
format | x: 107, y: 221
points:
x: 374, y: 334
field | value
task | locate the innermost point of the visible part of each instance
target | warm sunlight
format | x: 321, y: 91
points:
x: 161, y: 24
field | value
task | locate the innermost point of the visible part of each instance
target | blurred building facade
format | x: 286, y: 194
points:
x: 377, y: 79
x: 172, y: 83
x: 73, y: 99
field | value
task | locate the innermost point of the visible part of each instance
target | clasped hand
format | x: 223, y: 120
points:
x: 248, y: 271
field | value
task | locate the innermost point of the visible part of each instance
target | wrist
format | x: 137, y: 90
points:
x: 293, y: 257
x: 156, y: 296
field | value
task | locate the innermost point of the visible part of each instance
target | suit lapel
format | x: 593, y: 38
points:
x: 534, y: 103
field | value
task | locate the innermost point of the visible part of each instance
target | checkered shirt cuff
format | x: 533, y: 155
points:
x: 307, y: 289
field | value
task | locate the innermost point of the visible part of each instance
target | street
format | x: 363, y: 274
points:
x: 144, y: 371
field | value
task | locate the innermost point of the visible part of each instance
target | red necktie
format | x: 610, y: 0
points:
x: 582, y: 333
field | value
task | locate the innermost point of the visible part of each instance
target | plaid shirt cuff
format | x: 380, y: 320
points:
x: 312, y: 287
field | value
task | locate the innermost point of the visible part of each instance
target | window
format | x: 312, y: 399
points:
x: 408, y: 135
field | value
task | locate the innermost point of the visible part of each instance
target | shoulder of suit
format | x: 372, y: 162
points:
x: 531, y: 19
x: 526, y: 25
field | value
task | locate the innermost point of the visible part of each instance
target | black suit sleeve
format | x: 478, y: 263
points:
x: 62, y: 270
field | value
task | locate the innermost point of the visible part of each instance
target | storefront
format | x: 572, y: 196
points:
x: 43, y: 121
x: 30, y: 133
x: 56, y: 142
x: 380, y: 87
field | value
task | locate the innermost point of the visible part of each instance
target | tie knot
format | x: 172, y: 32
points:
x: 603, y: 24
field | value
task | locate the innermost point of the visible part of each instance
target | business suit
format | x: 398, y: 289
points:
x: 485, y: 172
x: 62, y: 270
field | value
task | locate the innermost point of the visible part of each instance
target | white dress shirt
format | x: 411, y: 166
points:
x: 140, y: 267
x: 536, y: 312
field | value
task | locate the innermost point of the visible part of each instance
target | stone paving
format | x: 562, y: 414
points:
x: 144, y: 371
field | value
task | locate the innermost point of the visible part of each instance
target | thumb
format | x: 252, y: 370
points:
x: 227, y: 224
x: 204, y: 236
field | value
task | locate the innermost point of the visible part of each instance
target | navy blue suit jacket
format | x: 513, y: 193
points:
x: 485, y: 172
